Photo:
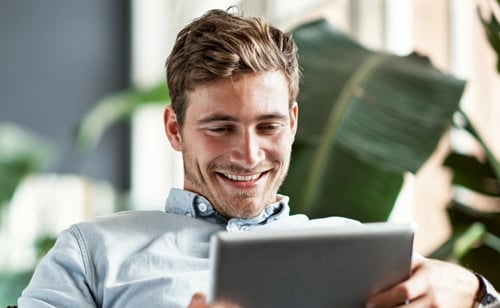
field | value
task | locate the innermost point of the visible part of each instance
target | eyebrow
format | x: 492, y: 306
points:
x: 227, y: 118
x: 217, y: 118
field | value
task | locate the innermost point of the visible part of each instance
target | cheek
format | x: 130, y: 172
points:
x: 280, y: 148
x: 208, y: 148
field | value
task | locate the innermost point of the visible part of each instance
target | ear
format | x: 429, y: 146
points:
x: 172, y: 128
x: 294, y: 118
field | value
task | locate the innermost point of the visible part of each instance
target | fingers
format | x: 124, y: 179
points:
x: 400, y: 294
x: 433, y: 284
x: 410, y: 290
x: 198, y: 300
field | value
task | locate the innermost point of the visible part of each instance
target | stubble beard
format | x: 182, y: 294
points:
x: 241, y: 205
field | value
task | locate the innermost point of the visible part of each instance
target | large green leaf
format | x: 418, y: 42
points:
x: 114, y: 108
x: 353, y: 187
x: 385, y: 112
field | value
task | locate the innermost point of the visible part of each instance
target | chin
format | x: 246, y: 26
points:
x: 246, y: 212
x: 246, y: 206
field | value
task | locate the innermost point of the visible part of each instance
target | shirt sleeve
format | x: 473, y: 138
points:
x: 61, y: 279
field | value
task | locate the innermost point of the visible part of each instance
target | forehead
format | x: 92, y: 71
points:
x: 249, y: 92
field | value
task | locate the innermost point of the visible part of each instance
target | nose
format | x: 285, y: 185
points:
x: 248, y: 150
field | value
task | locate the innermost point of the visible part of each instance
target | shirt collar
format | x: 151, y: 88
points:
x: 183, y: 202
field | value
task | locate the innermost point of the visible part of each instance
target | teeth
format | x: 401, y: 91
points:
x: 242, y: 178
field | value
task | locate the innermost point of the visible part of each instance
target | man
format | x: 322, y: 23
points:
x: 233, y: 83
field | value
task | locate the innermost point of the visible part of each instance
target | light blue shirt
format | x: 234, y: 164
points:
x: 145, y: 258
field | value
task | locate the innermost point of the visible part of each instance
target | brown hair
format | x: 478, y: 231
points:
x: 219, y: 45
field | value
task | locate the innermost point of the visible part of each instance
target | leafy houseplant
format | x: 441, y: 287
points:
x: 366, y: 117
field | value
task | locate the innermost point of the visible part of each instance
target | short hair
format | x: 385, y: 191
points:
x: 223, y: 44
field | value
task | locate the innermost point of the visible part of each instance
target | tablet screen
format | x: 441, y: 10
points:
x: 334, y: 267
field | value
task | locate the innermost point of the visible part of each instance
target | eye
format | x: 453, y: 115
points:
x: 220, y: 129
x: 270, y: 128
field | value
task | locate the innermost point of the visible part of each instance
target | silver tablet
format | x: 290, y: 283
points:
x: 337, y: 267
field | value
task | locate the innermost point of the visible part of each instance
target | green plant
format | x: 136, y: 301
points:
x: 365, y: 118
x: 475, y: 238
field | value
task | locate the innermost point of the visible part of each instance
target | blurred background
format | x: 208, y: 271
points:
x: 82, y: 93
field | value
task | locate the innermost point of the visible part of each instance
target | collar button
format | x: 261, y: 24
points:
x: 202, y: 207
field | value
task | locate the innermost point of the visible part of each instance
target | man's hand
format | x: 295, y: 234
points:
x: 199, y: 300
x: 432, y: 283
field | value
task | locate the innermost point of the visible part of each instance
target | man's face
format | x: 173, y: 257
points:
x: 236, y: 141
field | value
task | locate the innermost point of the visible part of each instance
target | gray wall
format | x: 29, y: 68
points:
x: 57, y: 57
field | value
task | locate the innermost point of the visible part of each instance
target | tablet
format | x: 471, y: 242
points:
x: 334, y: 267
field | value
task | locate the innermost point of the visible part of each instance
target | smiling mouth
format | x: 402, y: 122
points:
x: 242, y: 178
